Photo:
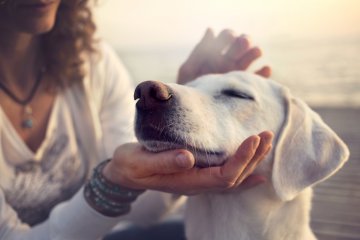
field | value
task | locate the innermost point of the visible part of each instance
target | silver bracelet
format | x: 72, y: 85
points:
x: 108, y: 198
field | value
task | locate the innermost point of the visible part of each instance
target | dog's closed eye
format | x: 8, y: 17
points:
x: 236, y: 94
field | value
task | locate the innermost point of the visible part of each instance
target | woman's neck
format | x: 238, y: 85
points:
x: 19, y: 58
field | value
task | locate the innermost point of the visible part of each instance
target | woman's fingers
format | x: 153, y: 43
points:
x: 264, y: 71
x: 212, y: 61
x: 191, y: 68
x: 134, y: 167
x: 225, y: 38
x: 248, y: 58
x: 149, y: 163
x: 261, y: 151
x: 167, y: 162
x: 235, y: 165
x: 201, y: 49
x: 233, y: 54
x: 237, y: 49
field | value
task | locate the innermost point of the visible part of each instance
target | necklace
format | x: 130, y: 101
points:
x: 28, y: 120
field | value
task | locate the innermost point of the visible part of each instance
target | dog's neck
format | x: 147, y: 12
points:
x: 251, y: 214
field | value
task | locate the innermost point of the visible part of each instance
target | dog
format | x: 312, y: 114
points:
x: 210, y: 117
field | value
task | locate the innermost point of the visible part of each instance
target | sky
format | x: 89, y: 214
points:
x: 142, y: 23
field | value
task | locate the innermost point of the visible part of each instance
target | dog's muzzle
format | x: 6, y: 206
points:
x: 155, y: 110
x: 161, y: 123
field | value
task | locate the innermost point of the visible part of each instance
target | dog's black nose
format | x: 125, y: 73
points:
x: 151, y: 94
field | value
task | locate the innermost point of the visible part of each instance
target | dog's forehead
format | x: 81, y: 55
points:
x: 233, y: 80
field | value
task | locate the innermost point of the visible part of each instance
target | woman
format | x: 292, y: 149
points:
x: 66, y: 106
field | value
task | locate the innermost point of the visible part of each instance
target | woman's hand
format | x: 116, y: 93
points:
x: 220, y: 54
x: 173, y: 171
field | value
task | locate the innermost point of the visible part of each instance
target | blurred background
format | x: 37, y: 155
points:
x: 313, y: 46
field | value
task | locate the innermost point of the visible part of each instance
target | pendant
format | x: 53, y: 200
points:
x: 28, y: 121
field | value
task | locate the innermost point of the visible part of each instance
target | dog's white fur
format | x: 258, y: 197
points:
x: 216, y: 118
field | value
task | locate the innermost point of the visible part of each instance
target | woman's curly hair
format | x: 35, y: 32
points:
x: 65, y: 45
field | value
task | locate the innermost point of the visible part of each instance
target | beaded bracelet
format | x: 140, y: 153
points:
x: 108, y: 198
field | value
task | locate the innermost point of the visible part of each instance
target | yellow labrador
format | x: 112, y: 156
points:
x: 210, y: 117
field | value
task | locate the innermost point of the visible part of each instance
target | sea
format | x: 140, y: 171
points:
x: 323, y: 72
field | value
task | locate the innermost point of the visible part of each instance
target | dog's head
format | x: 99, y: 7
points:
x: 212, y: 115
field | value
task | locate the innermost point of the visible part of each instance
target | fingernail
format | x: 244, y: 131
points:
x: 256, y: 52
x: 268, y: 138
x: 256, y: 142
x: 247, y: 37
x: 208, y: 34
x: 183, y: 160
x: 243, y: 40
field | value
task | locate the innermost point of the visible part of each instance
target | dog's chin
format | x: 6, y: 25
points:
x: 203, y: 157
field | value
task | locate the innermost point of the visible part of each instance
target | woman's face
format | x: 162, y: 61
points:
x: 28, y: 16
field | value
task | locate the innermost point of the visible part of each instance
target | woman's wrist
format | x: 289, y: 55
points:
x: 107, y: 197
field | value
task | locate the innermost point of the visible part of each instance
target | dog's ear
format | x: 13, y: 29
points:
x: 307, y: 150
